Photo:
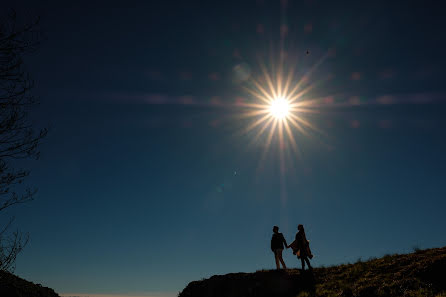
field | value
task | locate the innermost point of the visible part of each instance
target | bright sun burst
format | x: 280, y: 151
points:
x: 279, y: 108
x: 279, y: 105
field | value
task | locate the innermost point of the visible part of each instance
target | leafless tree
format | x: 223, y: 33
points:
x: 18, y: 139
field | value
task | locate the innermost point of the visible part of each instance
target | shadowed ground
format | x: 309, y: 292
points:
x: 13, y: 286
x: 422, y: 273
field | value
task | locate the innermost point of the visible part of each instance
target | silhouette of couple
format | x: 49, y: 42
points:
x: 300, y: 247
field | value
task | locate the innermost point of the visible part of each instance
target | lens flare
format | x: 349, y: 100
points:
x: 279, y: 104
x: 279, y: 108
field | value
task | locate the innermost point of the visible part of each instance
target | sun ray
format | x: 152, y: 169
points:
x: 280, y: 128
x: 304, y: 110
x: 279, y: 76
x: 255, y: 124
x: 281, y: 150
x: 288, y: 81
x: 267, y: 99
x: 304, y: 103
x: 297, y: 126
x: 301, y: 93
x: 265, y: 125
x: 270, y: 136
x: 255, y: 113
x: 269, y: 81
x: 291, y: 136
x: 265, y: 93
x: 307, y: 124
x: 297, y: 86
x: 256, y: 107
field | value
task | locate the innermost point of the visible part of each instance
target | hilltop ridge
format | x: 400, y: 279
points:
x: 421, y: 273
x: 14, y: 286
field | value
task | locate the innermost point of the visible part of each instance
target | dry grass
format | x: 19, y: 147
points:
x: 410, y: 275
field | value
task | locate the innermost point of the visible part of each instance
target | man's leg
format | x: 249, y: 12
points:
x: 276, y: 256
x: 281, y: 259
x: 303, y: 263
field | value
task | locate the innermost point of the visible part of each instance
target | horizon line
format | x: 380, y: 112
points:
x: 148, y: 294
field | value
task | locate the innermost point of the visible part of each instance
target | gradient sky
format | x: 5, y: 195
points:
x: 147, y: 181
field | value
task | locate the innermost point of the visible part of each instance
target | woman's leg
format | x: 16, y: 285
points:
x: 308, y: 263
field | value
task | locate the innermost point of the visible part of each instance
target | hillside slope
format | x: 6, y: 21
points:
x: 14, y: 286
x: 422, y: 273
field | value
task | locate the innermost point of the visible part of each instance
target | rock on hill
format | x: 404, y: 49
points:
x: 422, y: 273
x: 13, y: 286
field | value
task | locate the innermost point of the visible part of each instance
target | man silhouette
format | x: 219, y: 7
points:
x: 277, y: 244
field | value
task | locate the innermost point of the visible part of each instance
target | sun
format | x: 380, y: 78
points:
x: 279, y: 104
x: 279, y: 108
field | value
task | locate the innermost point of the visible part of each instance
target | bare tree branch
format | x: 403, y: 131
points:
x: 18, y: 139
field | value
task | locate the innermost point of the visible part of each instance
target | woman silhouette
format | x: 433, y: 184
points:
x: 303, y: 247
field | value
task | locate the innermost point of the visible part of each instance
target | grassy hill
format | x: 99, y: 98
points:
x: 14, y: 286
x: 422, y: 273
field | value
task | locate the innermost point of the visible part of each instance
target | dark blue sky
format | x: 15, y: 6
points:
x: 146, y: 179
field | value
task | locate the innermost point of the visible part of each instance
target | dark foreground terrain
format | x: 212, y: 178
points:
x: 13, y: 286
x: 422, y: 273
